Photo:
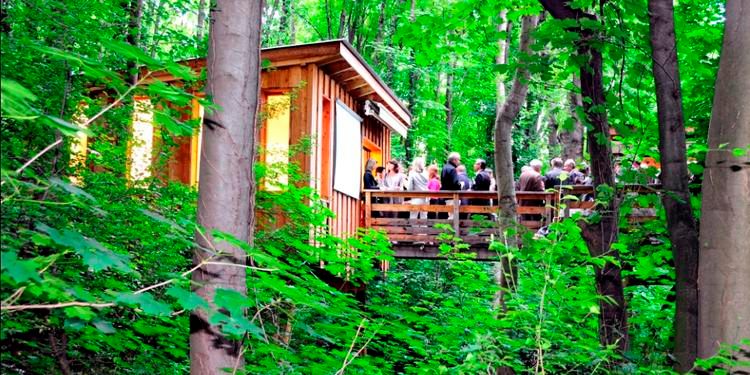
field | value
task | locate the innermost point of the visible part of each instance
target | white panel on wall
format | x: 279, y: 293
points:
x: 347, y: 162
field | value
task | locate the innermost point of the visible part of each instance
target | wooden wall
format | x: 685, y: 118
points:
x: 307, y: 121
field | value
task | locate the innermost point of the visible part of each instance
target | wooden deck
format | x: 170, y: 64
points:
x: 468, y: 215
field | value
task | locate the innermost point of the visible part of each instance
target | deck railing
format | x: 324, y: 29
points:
x: 469, y: 213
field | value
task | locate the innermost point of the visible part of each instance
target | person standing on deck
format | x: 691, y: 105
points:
x: 482, y: 182
x: 574, y: 176
x: 433, y: 184
x: 369, y: 182
x: 552, y: 178
x: 449, y: 180
x: 418, y: 181
x: 531, y: 180
x: 393, y: 180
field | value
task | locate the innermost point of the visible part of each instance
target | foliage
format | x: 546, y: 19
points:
x: 119, y: 252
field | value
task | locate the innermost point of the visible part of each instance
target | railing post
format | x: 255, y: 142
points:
x: 456, y: 216
x: 368, y: 209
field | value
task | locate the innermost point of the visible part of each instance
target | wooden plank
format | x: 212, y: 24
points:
x: 456, y: 209
x: 368, y: 210
x: 396, y: 222
x: 423, y: 231
x: 393, y: 207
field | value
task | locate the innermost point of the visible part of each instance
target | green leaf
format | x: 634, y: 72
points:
x: 93, y: 253
x: 146, y: 302
x: 20, y: 270
x: 186, y: 299
x: 103, y: 326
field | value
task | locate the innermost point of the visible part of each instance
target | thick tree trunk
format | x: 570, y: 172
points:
x: 572, y: 139
x: 227, y: 183
x: 506, y: 116
x: 674, y: 176
x: 599, y: 236
x: 724, y: 270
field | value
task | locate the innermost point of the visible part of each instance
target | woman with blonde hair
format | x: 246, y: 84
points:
x: 417, y: 182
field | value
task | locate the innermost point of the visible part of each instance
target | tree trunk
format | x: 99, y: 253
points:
x: 674, y: 176
x: 135, y: 14
x: 599, y: 235
x: 227, y: 184
x: 414, y: 74
x: 155, y: 33
x: 572, y: 139
x: 503, y: 45
x: 504, y: 119
x: 724, y: 270
x: 554, y: 134
x: 342, y: 21
x: 201, y: 20
x: 449, y: 98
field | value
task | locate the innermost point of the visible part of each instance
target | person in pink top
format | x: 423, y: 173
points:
x: 433, y: 184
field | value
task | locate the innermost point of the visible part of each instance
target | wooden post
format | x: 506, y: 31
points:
x: 368, y: 209
x: 456, y: 216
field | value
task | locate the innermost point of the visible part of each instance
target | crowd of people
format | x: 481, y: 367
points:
x: 454, y: 176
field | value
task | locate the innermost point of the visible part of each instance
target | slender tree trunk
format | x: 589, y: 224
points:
x: 599, y: 235
x: 502, y: 58
x: 201, y: 20
x: 292, y: 26
x: 227, y: 184
x: 554, y: 133
x: 724, y: 270
x: 379, y: 34
x: 503, y: 45
x: 504, y: 120
x: 328, y: 18
x: 674, y: 176
x: 572, y: 139
x: 449, y: 98
x: 155, y: 33
x: 414, y: 74
x: 342, y: 20
x: 135, y: 14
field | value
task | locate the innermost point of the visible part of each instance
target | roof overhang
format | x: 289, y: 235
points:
x: 382, y: 114
x: 348, y: 68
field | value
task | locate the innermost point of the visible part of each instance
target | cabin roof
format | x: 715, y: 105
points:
x: 345, y: 65
x: 338, y: 59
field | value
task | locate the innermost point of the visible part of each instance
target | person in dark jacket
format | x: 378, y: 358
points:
x: 449, y: 179
x: 482, y: 182
x: 552, y: 178
x: 370, y: 183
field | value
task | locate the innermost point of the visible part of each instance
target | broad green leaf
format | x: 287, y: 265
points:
x: 186, y: 299
x: 93, y: 253
x: 19, y: 269
x: 146, y: 302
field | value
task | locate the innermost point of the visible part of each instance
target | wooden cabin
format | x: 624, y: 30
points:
x: 324, y: 93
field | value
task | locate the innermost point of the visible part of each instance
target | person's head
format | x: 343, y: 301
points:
x: 371, y: 164
x: 479, y: 165
x: 379, y: 171
x: 461, y: 169
x: 432, y: 170
x: 536, y: 165
x: 393, y: 166
x: 556, y: 163
x: 418, y: 164
x: 584, y: 168
x: 569, y: 165
x: 454, y: 158
x: 526, y: 169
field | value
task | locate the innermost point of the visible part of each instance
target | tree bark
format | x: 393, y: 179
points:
x: 724, y: 269
x: 599, y: 234
x: 504, y: 119
x: 449, y: 98
x: 135, y: 14
x: 572, y: 139
x: 674, y: 176
x: 227, y: 185
x: 201, y: 20
x: 503, y: 45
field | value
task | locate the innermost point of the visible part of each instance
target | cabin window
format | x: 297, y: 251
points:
x: 276, y: 140
x: 183, y: 163
x: 325, y: 150
x: 142, y: 140
x: 195, y: 144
